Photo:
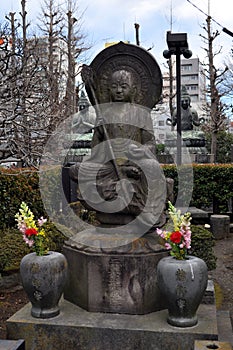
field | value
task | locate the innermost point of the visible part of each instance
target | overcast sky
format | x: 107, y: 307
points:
x: 113, y: 20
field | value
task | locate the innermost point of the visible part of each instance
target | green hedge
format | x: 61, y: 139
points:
x: 13, y: 248
x: 17, y: 186
x: 202, y: 245
x: 213, y: 183
x: 210, y: 181
x: 23, y: 185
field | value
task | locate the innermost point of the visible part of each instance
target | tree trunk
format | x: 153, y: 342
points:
x: 214, y: 145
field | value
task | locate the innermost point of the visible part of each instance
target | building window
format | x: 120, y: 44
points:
x: 161, y: 122
x: 186, y: 67
x: 193, y: 77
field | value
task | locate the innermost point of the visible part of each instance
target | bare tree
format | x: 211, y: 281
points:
x: 215, y: 108
x: 75, y: 40
x: 39, y: 88
x: 8, y: 78
x: 63, y: 28
x: 22, y: 133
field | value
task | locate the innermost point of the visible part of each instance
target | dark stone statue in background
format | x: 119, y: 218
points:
x: 189, y: 116
x: 192, y: 136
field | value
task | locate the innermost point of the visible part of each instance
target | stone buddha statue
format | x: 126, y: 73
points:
x: 113, y: 265
x: 192, y: 136
x: 189, y: 116
x: 122, y: 179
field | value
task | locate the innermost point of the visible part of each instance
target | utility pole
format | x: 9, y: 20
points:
x: 136, y: 25
x: 170, y: 68
x: 70, y: 92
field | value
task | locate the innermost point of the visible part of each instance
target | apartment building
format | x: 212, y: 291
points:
x: 39, y: 48
x: 191, y: 76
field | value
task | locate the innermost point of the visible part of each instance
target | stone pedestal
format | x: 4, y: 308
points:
x: 117, y: 280
x: 220, y: 226
x: 75, y: 328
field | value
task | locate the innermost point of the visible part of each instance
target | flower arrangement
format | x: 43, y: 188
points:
x: 177, y: 236
x: 33, y: 233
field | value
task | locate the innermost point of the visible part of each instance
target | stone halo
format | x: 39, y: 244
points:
x: 142, y: 65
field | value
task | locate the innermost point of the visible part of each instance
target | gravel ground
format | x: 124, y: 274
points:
x: 13, y: 299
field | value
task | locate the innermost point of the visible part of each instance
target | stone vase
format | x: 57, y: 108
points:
x: 43, y: 279
x: 183, y: 283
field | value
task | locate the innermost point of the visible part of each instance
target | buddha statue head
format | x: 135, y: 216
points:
x: 122, y: 87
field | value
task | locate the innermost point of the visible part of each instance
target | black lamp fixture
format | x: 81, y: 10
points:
x: 177, y: 45
x: 177, y: 42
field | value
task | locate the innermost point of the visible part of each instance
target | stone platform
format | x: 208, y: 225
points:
x: 77, y: 329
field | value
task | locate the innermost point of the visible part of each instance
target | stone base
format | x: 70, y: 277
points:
x: 76, y: 328
x: 114, y: 281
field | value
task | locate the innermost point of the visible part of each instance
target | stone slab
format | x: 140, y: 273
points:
x: 207, y: 344
x: 75, y: 328
x: 12, y: 344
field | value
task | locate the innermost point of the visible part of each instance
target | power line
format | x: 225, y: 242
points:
x: 225, y: 30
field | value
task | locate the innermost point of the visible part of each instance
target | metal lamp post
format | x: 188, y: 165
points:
x: 177, y: 45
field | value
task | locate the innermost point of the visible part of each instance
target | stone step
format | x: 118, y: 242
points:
x: 12, y: 344
x: 76, y: 328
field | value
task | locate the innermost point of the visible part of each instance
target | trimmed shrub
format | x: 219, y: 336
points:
x: 17, y: 186
x: 212, y: 185
x: 13, y: 248
x: 202, y: 245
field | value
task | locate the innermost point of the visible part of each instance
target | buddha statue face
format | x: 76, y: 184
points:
x: 121, y: 87
x: 185, y: 102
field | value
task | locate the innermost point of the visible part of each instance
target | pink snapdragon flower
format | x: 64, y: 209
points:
x: 41, y: 221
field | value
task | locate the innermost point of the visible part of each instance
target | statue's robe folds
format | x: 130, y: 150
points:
x: 122, y: 174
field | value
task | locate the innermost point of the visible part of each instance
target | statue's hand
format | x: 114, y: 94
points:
x: 132, y: 172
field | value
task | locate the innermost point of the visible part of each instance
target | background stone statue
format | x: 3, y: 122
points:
x: 189, y: 116
x: 192, y: 136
